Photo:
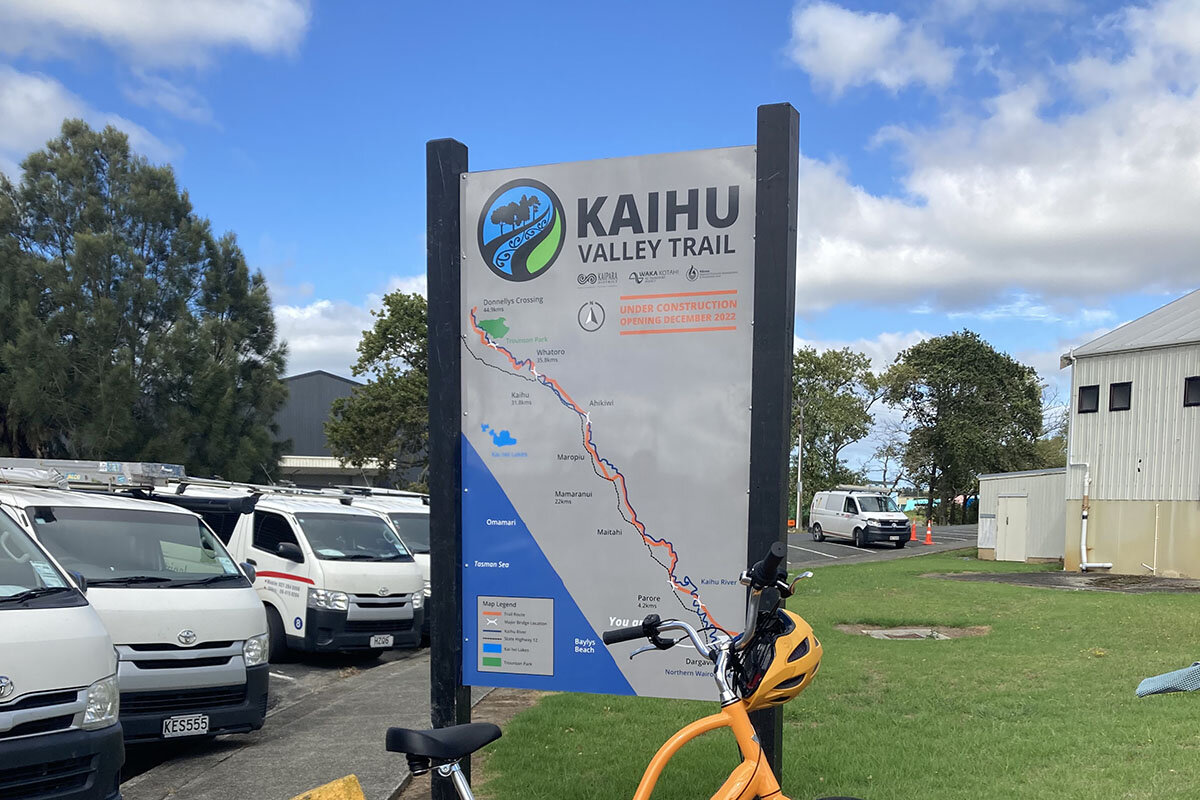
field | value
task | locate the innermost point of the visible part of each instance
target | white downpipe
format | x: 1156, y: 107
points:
x: 1084, y: 566
x: 1154, y: 567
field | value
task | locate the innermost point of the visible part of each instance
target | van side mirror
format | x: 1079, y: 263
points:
x: 291, y: 551
x: 250, y: 572
x: 80, y: 580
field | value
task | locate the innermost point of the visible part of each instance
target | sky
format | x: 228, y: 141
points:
x: 1027, y: 169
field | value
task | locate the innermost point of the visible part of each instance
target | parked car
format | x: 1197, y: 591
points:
x: 60, y: 736
x: 862, y: 515
x: 190, y: 632
x: 332, y: 576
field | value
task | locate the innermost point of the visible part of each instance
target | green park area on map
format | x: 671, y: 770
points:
x: 494, y: 327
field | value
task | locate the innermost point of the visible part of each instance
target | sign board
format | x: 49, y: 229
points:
x: 606, y: 353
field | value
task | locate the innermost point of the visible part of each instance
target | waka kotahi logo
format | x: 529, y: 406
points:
x: 521, y: 230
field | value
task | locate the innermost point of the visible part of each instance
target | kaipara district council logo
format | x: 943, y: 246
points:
x: 521, y: 230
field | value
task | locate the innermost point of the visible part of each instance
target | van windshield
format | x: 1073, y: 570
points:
x: 874, y: 502
x: 414, y: 530
x: 122, y: 547
x: 28, y: 579
x: 352, y: 537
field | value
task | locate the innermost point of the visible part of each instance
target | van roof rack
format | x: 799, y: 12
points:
x: 846, y: 487
x: 261, y: 489
x: 62, y: 473
x: 375, y: 491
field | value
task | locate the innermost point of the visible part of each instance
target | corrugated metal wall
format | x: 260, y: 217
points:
x: 1045, y: 509
x: 302, y: 418
x: 1152, y: 451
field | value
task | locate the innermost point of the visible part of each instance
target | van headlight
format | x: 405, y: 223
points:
x: 103, y: 704
x: 330, y: 601
x: 255, y: 650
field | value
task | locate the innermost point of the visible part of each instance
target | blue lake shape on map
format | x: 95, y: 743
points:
x: 499, y: 438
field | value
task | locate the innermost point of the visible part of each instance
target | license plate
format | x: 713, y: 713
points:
x: 190, y: 725
x: 382, y: 641
x: 894, y: 538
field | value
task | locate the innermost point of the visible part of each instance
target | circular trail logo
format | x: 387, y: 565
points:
x: 521, y: 230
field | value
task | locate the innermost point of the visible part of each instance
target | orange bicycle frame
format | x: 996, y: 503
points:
x: 752, y: 778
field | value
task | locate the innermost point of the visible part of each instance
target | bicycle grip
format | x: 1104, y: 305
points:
x: 622, y: 634
x: 766, y: 571
x: 645, y: 629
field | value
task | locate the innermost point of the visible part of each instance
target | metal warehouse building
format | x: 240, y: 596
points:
x: 1134, y: 446
x: 301, y: 421
x: 1021, y: 515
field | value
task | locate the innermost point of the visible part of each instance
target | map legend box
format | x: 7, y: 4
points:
x: 516, y: 635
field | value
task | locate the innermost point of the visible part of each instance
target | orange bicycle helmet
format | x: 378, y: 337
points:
x: 780, y: 663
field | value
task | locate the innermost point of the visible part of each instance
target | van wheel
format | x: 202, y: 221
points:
x: 860, y: 540
x: 277, y: 651
x: 818, y: 534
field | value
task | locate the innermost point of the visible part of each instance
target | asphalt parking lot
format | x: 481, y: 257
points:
x: 291, y: 683
x: 804, y: 552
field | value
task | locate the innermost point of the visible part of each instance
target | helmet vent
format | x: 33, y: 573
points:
x: 800, y: 652
x: 791, y: 683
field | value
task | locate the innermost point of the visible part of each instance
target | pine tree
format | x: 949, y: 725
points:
x: 134, y: 334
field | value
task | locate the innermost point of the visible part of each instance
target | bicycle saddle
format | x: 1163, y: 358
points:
x: 442, y: 743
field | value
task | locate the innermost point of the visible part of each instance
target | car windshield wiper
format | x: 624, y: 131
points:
x: 30, y: 594
x: 127, y: 580
x: 225, y: 576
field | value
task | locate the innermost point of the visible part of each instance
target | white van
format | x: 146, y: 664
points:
x: 333, y: 576
x: 860, y: 514
x: 409, y: 514
x: 190, y: 633
x: 59, y: 733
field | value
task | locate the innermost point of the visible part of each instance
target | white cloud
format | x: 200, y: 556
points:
x: 409, y: 284
x: 1025, y: 308
x: 322, y: 334
x: 184, y: 102
x: 154, y: 31
x: 33, y: 107
x: 840, y: 48
x: 882, y: 349
x: 1069, y: 205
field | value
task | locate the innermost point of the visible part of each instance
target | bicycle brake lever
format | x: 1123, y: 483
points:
x: 786, y: 589
x: 641, y: 650
x: 656, y: 643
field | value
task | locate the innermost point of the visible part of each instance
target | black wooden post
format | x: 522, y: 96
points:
x: 778, y: 166
x: 445, y: 163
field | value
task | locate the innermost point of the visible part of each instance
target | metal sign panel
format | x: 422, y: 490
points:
x: 606, y: 385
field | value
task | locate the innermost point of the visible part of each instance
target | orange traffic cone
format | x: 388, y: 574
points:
x: 912, y: 536
x: 928, y: 532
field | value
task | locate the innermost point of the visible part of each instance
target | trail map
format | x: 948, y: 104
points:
x: 606, y: 359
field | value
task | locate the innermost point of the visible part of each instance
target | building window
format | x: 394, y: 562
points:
x: 1120, y: 396
x: 1089, y: 399
x: 1191, y: 391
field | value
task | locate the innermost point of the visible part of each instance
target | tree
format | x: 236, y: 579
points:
x: 129, y: 332
x: 833, y: 394
x: 387, y: 420
x: 972, y: 410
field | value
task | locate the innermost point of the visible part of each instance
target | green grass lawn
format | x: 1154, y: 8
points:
x: 1042, y: 707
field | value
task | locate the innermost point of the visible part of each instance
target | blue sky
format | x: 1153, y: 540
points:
x: 1029, y: 169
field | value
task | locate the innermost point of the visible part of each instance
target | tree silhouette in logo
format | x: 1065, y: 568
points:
x: 516, y: 213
